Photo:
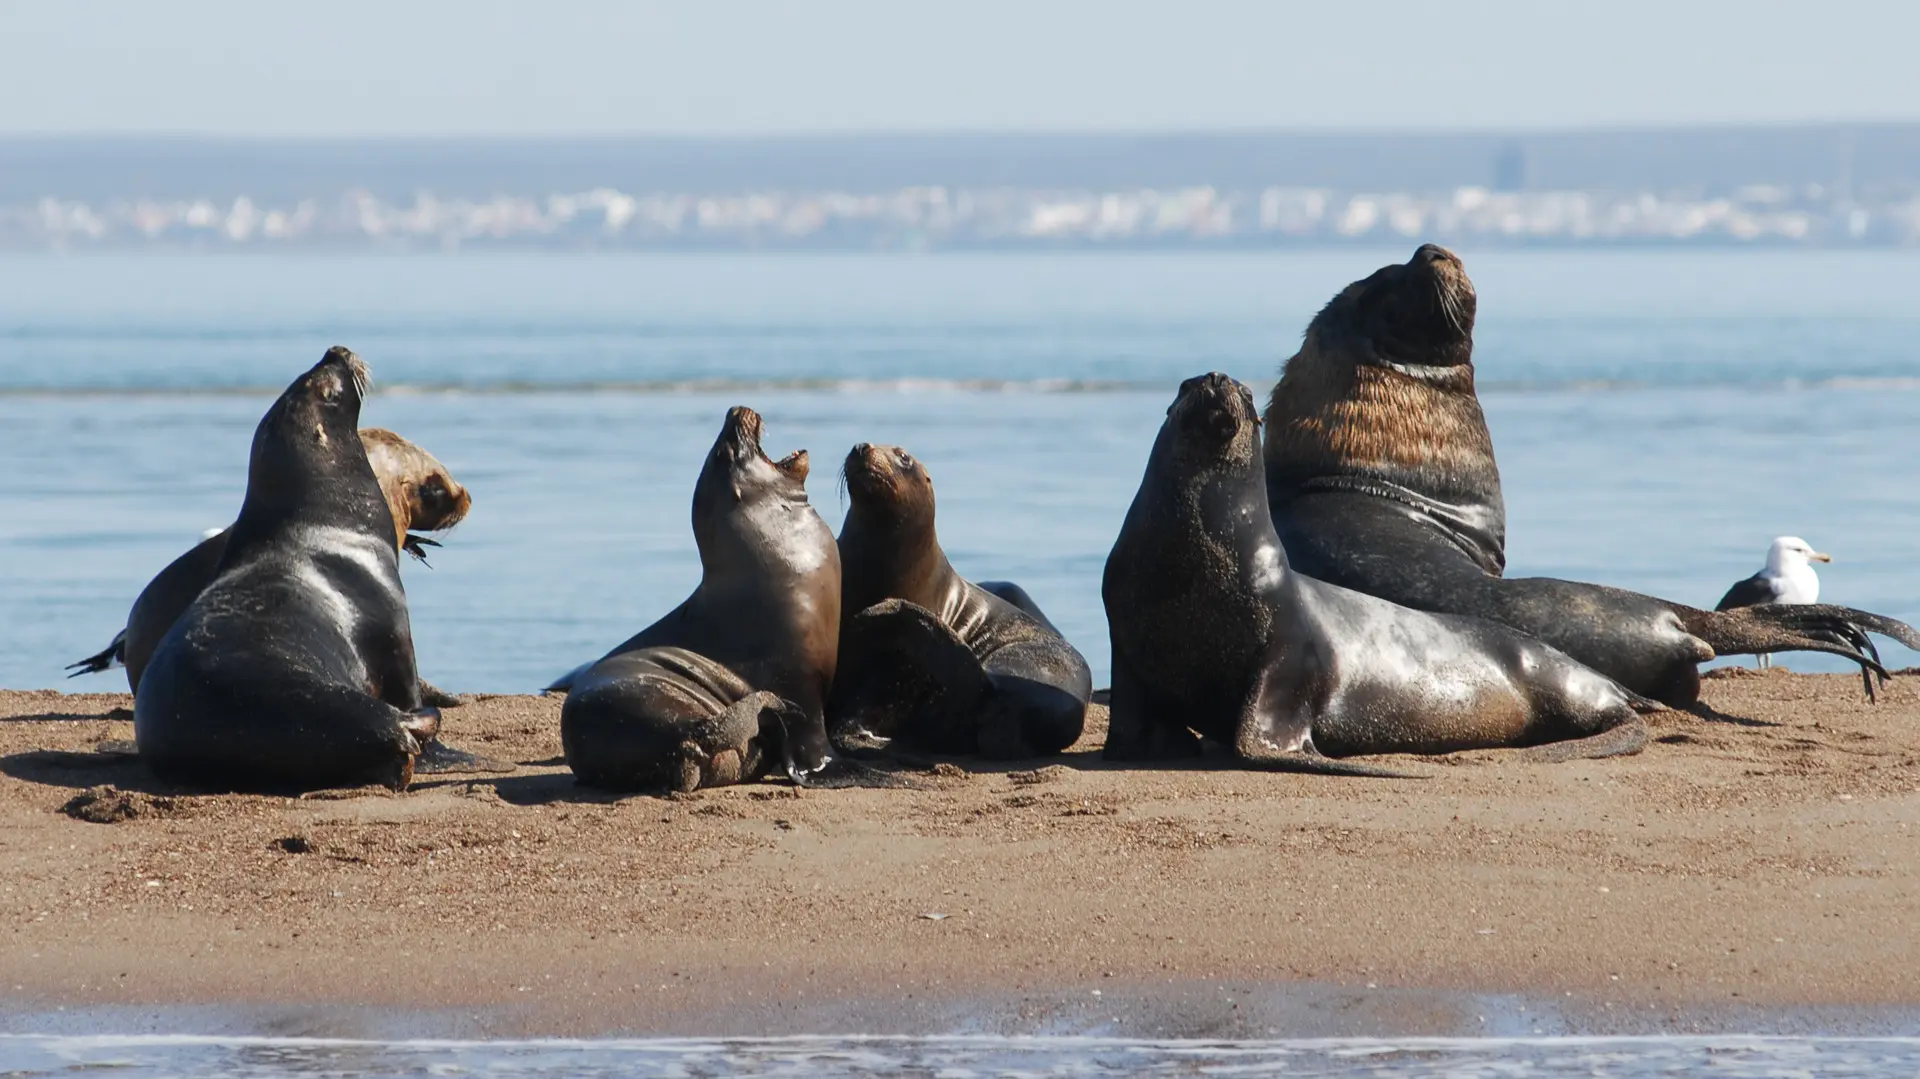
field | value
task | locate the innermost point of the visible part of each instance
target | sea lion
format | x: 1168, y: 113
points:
x: 1018, y: 596
x: 931, y: 660
x: 1381, y: 478
x: 736, y: 677
x: 420, y: 492
x: 294, y: 668
x: 1213, y: 633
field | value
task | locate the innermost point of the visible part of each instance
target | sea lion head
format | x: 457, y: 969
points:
x: 1213, y: 421
x: 885, y: 482
x: 1413, y: 316
x: 308, y: 461
x: 739, y: 481
x: 311, y: 410
x: 420, y: 492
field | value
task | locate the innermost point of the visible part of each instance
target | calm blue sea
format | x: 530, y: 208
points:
x: 1659, y: 415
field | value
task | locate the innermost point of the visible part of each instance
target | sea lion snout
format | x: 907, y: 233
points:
x: 879, y: 471
x: 1214, y: 403
x: 355, y: 370
x: 741, y: 432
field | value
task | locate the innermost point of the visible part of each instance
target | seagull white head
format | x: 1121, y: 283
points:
x: 1791, y: 552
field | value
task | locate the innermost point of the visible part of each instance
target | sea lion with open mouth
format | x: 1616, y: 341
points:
x: 735, y: 679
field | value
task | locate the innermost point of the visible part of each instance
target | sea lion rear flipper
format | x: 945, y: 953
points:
x: 1812, y: 627
x: 114, y: 655
x: 1275, y: 733
x: 439, y: 698
x: 1624, y: 740
x: 904, y: 675
x: 416, y: 545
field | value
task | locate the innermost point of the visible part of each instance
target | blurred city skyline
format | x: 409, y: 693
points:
x: 713, y: 67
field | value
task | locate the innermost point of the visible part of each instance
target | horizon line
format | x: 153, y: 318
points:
x: 826, y: 134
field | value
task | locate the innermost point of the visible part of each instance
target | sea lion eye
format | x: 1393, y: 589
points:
x: 903, y: 459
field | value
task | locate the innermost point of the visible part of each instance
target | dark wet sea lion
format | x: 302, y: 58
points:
x: 294, y: 668
x: 1381, y: 478
x: 1018, y: 596
x: 929, y: 660
x: 1214, y: 634
x: 735, y: 679
x: 420, y: 493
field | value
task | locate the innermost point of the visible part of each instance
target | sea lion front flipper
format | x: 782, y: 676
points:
x: 905, y: 676
x: 1136, y: 727
x: 438, y: 758
x: 1622, y: 741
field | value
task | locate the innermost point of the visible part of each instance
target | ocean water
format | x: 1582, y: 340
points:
x: 965, y: 1057
x: 1659, y: 416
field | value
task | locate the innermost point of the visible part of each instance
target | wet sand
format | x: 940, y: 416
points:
x: 1758, y: 859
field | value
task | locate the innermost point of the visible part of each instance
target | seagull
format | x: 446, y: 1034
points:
x: 1788, y: 578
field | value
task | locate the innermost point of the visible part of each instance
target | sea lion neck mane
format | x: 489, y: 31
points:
x: 1380, y: 400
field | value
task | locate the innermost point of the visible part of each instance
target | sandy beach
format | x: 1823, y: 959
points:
x: 1760, y: 855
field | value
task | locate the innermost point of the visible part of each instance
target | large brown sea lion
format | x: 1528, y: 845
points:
x: 735, y: 679
x: 1381, y: 478
x: 929, y: 660
x: 294, y: 668
x: 1214, y: 634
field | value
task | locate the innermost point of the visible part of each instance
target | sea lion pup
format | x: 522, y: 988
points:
x: 734, y: 679
x: 928, y: 659
x: 1213, y: 633
x: 420, y: 492
x: 294, y: 668
x: 1381, y: 478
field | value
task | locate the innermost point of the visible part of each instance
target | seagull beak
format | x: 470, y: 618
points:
x: 1818, y: 556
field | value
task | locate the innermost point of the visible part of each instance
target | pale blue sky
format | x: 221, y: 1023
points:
x: 731, y: 66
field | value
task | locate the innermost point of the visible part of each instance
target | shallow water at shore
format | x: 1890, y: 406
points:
x: 962, y: 1057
